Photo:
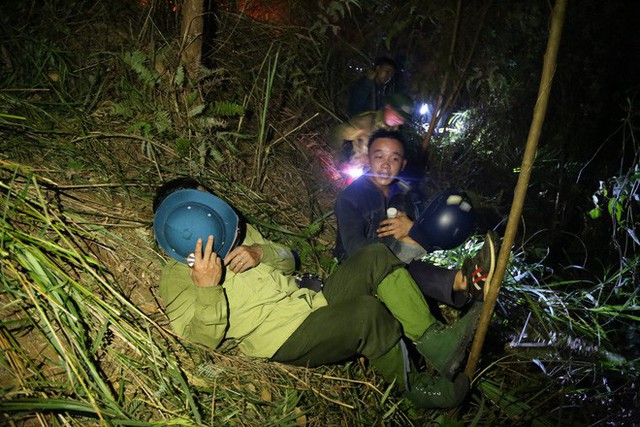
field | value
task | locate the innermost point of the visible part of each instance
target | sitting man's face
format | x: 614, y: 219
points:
x: 386, y: 159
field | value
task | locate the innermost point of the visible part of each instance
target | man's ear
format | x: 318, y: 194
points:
x: 404, y: 163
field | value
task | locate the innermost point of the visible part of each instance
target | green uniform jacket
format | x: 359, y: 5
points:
x: 260, y: 308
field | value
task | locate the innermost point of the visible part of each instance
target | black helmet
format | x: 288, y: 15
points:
x: 446, y: 222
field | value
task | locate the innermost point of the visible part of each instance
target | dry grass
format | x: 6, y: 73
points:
x: 90, y: 345
x: 108, y: 223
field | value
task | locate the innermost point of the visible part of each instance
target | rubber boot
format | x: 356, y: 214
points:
x: 424, y: 391
x: 437, y: 393
x: 394, y: 366
x: 445, y: 346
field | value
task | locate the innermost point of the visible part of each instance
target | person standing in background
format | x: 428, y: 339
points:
x: 368, y: 91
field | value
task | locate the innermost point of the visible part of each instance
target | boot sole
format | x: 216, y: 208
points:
x: 451, y: 368
x: 492, y: 268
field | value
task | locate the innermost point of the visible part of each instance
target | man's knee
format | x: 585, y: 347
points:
x: 378, y: 329
x: 373, y: 252
x: 369, y: 304
x: 373, y: 313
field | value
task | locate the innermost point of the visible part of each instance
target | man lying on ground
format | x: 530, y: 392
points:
x: 239, y: 287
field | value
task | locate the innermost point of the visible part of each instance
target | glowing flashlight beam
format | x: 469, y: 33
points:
x: 354, y: 171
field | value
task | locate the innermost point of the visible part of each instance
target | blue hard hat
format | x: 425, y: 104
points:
x: 446, y: 223
x: 188, y: 214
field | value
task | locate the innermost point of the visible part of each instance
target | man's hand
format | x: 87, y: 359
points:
x: 207, y: 268
x: 397, y: 227
x: 243, y: 258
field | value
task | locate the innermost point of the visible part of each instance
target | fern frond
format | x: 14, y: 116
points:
x: 227, y: 109
x: 213, y: 122
x: 162, y: 121
x: 137, y: 61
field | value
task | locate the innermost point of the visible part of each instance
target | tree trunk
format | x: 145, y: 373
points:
x: 191, y: 31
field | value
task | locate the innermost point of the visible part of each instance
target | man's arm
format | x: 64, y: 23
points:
x: 194, y: 301
x: 273, y: 254
x: 352, y: 226
x: 360, y: 98
x: 197, y: 314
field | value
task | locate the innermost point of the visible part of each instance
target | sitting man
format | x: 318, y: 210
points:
x: 349, y: 141
x: 243, y: 291
x: 362, y: 219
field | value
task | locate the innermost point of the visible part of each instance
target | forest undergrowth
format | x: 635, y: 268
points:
x: 91, y: 125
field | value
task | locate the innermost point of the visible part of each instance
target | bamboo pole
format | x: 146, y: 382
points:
x: 441, y: 105
x: 445, y: 81
x: 539, y: 111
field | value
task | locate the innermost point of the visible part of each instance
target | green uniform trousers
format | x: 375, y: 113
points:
x: 355, y: 322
